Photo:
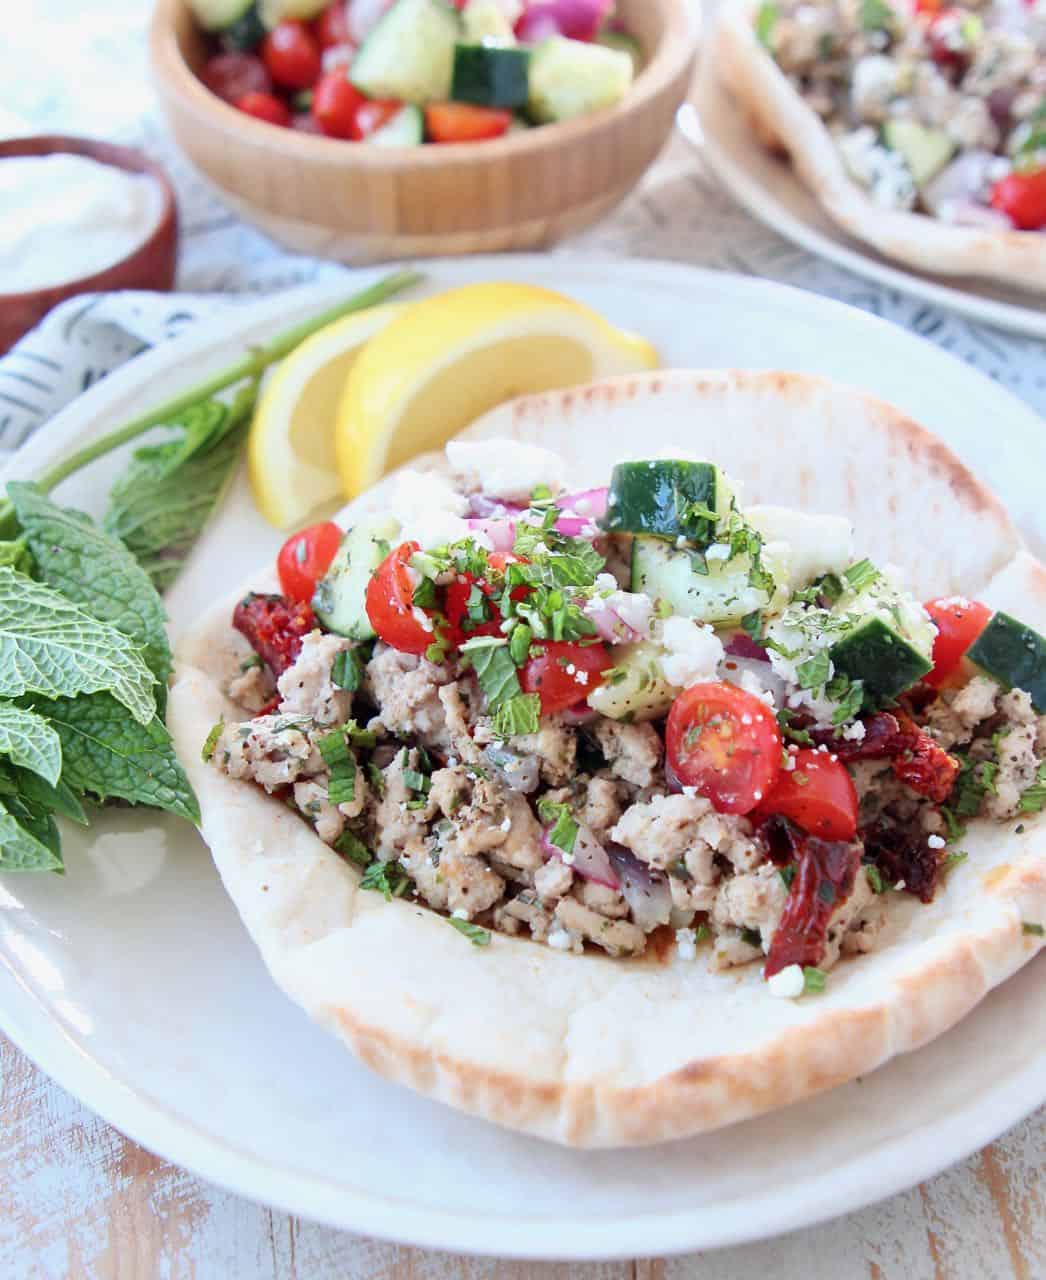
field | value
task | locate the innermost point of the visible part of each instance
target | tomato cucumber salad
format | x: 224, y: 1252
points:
x: 404, y: 72
x: 630, y: 716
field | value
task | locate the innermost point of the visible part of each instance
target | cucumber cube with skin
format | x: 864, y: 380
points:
x: 665, y: 498
x: 876, y: 654
x: 1013, y: 654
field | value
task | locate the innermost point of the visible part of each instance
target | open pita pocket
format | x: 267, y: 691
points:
x: 596, y: 1052
x: 782, y: 120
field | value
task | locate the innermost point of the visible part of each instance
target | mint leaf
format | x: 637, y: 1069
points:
x: 341, y: 785
x: 16, y: 555
x: 765, y: 22
x: 861, y: 575
x: 28, y: 740
x: 347, y: 670
x: 520, y: 715
x: 95, y: 571
x: 478, y: 936
x: 563, y: 830
x: 159, y: 506
x: 494, y: 668
x: 814, y: 980
x: 108, y: 754
x: 44, y: 798
x: 387, y: 878
x: 27, y: 844
x: 51, y: 646
x: 814, y: 671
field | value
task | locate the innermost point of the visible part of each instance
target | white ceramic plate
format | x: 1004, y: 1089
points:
x: 768, y: 188
x: 133, y: 983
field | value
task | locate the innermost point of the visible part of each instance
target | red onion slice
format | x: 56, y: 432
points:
x: 576, y: 19
x: 501, y: 533
x: 589, y: 858
x: 480, y: 504
x: 646, y: 892
x: 743, y: 646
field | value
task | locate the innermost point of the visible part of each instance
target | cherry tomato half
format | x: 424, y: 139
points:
x: 461, y: 122
x: 372, y: 115
x: 233, y: 75
x: 948, y: 47
x: 726, y: 743
x: 959, y: 623
x: 564, y: 674
x: 1022, y: 197
x: 265, y: 106
x: 335, y: 103
x: 332, y: 26
x: 459, y: 593
x: 818, y: 795
x: 390, y: 603
x: 305, y: 557
x: 291, y: 54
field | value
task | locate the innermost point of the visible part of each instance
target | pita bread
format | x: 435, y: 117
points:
x: 782, y: 120
x: 591, y: 1051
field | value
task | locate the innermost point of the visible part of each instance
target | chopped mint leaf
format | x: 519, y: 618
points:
x: 425, y: 594
x: 341, y: 786
x: 478, y: 936
x: 955, y: 830
x: 386, y: 878
x: 347, y: 670
x: 376, y: 779
x: 875, y: 877
x: 352, y: 847
x: 814, y: 980
x: 366, y: 739
x: 765, y: 22
x: 520, y: 715
x: 752, y: 626
x: 752, y: 937
x: 701, y: 934
x: 876, y: 15
x: 787, y: 875
x: 815, y: 671
x: 799, y: 736
x: 563, y: 829
x: 952, y: 860
x: 211, y: 741
x: 519, y: 643
x: 29, y: 741
x: 1032, y: 929
x: 417, y: 782
x: 850, y: 703
x: 494, y: 668
x: 1033, y: 798
x: 863, y: 573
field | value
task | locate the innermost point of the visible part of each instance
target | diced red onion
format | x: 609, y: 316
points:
x: 582, y: 714
x: 577, y: 19
x: 743, y: 646
x: 591, y: 504
x: 966, y: 179
x: 589, y: 859
x: 502, y: 533
x: 486, y: 507
x: 519, y: 772
x: 646, y: 892
x: 1000, y: 103
x: 672, y: 779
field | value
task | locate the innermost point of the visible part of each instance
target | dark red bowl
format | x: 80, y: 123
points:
x: 150, y: 266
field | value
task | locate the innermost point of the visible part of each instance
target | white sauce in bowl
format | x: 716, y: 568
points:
x: 63, y: 217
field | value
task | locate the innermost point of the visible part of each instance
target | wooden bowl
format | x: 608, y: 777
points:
x: 359, y: 203
x: 150, y: 266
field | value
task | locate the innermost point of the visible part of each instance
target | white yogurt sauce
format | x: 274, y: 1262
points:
x: 63, y: 217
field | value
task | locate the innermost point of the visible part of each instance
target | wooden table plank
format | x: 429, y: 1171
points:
x: 80, y: 1200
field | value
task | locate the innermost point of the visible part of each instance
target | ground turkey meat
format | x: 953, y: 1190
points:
x: 604, y: 803
x: 665, y: 829
x: 633, y: 751
x: 306, y: 687
x: 952, y: 718
x: 618, y: 937
x: 270, y: 750
x: 395, y: 823
x: 405, y: 689
x: 253, y: 688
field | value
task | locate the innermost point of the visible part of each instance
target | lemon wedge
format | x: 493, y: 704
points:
x: 290, y: 448
x: 443, y: 362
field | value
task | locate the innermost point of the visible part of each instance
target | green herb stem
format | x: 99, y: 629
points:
x: 251, y: 365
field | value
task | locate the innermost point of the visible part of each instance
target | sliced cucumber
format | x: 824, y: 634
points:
x: 878, y: 655
x: 273, y: 12
x: 1013, y: 654
x: 217, y: 15
x: 405, y: 129
x: 638, y: 689
x: 665, y: 498
x: 340, y: 598
x: 410, y: 53
x: 490, y: 76
x: 672, y: 576
x: 623, y: 44
x: 925, y: 151
x: 486, y: 20
x: 570, y: 78
x: 807, y: 545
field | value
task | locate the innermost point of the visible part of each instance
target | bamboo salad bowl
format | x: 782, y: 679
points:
x: 357, y: 203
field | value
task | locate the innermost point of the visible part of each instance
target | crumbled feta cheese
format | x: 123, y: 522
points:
x: 788, y: 984
x: 686, y: 944
x: 854, y: 732
x: 504, y: 468
x: 424, y: 491
x: 421, y: 618
x: 873, y: 84
x: 620, y: 615
x: 936, y: 842
x: 882, y: 171
x: 560, y: 940
x: 718, y: 551
x: 430, y: 527
x: 693, y: 652
x: 506, y: 824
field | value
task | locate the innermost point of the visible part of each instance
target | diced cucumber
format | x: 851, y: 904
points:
x: 340, y: 598
x: 638, y: 690
x: 486, y: 20
x: 1013, y: 654
x: 410, y: 53
x: 246, y: 33
x: 623, y: 44
x: 665, y: 498
x: 216, y: 15
x: 490, y: 76
x: 807, y: 545
x: 273, y: 12
x: 405, y: 129
x: 878, y: 655
x: 570, y: 78
x: 672, y: 577
x: 926, y: 151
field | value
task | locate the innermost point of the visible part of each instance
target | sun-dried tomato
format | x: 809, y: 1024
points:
x: 902, y: 855
x: 274, y: 628
x: 917, y: 760
x: 824, y: 879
